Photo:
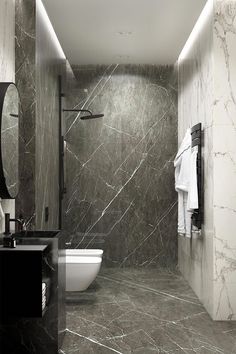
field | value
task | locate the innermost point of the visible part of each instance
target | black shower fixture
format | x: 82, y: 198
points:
x: 87, y: 115
x: 90, y: 115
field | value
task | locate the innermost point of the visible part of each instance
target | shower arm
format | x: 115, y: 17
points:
x: 90, y: 115
x: 78, y: 110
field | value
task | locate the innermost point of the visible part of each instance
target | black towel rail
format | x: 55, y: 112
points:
x: 197, y: 139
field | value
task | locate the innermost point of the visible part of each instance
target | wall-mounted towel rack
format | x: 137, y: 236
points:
x: 198, y: 214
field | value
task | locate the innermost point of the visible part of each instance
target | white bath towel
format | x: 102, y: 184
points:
x: 182, y: 181
x: 44, y: 301
x: 43, y: 287
x: 193, y: 187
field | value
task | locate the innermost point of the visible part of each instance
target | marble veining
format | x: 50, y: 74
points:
x: 119, y: 169
x: 143, y: 311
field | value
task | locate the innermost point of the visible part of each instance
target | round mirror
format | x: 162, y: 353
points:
x: 9, y: 113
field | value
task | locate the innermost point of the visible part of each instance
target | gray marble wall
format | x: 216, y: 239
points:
x: 119, y: 169
x: 39, y: 61
x: 7, y: 69
x: 50, y: 63
x: 26, y: 83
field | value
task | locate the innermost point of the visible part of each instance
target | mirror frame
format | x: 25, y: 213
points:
x: 4, y: 192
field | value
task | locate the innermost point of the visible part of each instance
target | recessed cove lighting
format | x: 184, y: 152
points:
x: 201, y: 22
x: 48, y: 23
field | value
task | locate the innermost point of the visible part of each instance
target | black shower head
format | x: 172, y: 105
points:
x: 92, y: 116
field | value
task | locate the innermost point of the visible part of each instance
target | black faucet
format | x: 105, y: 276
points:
x: 8, y: 220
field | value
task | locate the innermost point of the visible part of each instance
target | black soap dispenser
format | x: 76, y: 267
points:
x: 9, y: 242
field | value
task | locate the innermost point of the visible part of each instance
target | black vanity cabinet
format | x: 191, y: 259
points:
x: 24, y: 327
x: 22, y: 270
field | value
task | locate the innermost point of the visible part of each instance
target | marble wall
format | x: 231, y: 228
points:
x: 26, y: 83
x: 224, y: 157
x: 7, y: 68
x: 119, y: 169
x: 195, y: 104
x: 206, y: 94
x: 39, y: 61
x: 50, y: 63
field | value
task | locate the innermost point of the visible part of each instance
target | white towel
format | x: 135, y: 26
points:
x: 193, y: 187
x: 182, y: 181
x: 44, y: 301
x: 2, y: 215
x: 184, y: 216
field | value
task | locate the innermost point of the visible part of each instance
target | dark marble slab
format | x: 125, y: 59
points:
x: 50, y: 63
x: 38, y: 64
x: 119, y: 169
x: 25, y: 17
x: 143, y: 311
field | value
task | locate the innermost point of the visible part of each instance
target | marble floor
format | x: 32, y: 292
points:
x: 143, y: 311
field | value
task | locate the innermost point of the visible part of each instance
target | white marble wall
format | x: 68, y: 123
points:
x: 207, y: 94
x: 195, y: 105
x: 224, y: 159
x: 7, y: 65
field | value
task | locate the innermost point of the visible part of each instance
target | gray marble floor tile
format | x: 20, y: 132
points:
x: 143, y: 311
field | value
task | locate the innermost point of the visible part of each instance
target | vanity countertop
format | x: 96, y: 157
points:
x: 39, y: 248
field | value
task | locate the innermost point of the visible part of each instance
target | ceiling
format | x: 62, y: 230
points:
x: 123, y: 31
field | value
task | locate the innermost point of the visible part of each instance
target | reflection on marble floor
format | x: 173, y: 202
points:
x: 143, y: 311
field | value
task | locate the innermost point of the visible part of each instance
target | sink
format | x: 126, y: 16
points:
x: 36, y: 234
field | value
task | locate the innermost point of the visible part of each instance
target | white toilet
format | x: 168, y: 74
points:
x: 82, y: 267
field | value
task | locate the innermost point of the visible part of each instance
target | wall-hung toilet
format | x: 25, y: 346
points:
x: 82, y: 267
